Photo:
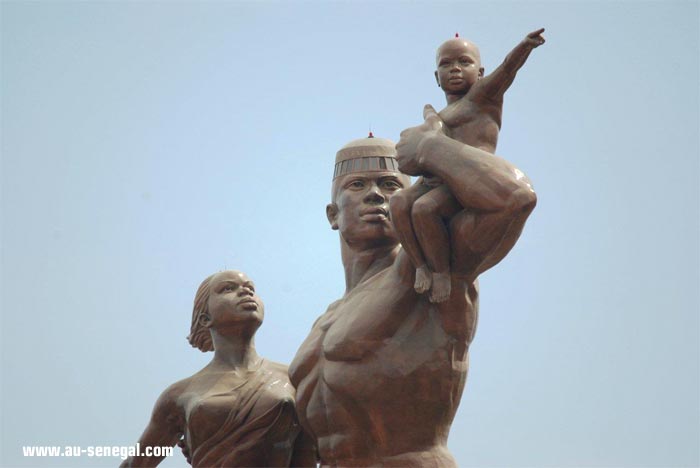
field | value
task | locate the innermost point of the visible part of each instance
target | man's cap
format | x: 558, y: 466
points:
x: 366, y: 154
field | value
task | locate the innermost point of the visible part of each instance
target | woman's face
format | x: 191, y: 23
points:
x: 233, y: 301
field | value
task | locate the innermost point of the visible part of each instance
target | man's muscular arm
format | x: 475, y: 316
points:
x: 496, y: 196
x: 494, y: 86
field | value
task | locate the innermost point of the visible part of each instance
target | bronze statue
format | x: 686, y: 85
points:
x: 239, y: 409
x: 381, y: 374
x: 473, y: 117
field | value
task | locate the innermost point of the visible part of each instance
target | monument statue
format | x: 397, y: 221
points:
x: 381, y: 374
x: 239, y: 409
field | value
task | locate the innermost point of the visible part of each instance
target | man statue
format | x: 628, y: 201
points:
x: 380, y: 376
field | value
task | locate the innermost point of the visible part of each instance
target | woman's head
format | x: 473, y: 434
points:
x: 226, y: 302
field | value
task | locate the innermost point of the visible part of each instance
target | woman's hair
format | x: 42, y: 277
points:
x: 200, y: 337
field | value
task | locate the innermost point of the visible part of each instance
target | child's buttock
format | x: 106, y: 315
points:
x: 432, y: 181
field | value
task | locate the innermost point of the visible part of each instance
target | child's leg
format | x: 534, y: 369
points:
x: 428, y: 214
x: 400, y: 205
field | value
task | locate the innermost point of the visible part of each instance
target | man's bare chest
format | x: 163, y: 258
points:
x: 367, y: 319
x: 377, y: 328
x: 394, y: 331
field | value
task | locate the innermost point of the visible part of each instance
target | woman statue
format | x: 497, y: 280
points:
x: 239, y: 409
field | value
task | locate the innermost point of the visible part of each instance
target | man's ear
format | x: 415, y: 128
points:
x: 332, y: 215
x: 481, y: 72
x: 438, y: 79
x: 205, y: 320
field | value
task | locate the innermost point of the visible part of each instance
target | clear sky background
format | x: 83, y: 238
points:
x: 147, y: 145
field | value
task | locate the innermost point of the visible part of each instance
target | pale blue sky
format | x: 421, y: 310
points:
x: 147, y: 145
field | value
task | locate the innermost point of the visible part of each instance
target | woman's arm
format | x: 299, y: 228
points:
x: 163, y: 430
x: 305, y: 454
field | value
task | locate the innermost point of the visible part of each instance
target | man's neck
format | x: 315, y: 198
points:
x: 363, y: 263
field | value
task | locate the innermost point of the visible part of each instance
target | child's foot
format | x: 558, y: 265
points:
x: 423, y: 279
x: 441, y: 287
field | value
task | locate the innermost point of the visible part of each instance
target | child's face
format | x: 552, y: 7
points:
x: 458, y: 66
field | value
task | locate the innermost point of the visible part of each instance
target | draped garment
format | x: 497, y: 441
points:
x: 259, y: 426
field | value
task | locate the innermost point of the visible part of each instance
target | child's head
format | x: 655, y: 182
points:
x: 458, y: 66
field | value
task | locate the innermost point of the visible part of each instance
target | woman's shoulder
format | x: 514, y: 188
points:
x: 172, y: 394
x: 169, y: 407
x: 275, y: 367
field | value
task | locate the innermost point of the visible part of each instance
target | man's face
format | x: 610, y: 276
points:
x: 361, y: 208
x: 458, y: 66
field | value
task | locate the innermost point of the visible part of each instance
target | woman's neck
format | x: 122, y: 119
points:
x: 235, y: 350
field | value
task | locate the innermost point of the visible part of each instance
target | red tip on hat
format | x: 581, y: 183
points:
x: 456, y: 34
x: 370, y: 134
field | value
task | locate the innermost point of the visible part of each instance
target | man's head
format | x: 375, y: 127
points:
x: 366, y: 176
x: 458, y: 66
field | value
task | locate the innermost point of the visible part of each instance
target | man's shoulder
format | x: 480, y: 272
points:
x: 402, y: 269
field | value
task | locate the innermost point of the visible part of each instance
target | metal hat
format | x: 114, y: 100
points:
x: 366, y: 154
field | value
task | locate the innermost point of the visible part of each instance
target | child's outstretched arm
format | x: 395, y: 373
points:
x: 495, y: 84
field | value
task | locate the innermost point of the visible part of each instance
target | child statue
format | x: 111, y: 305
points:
x: 472, y: 117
